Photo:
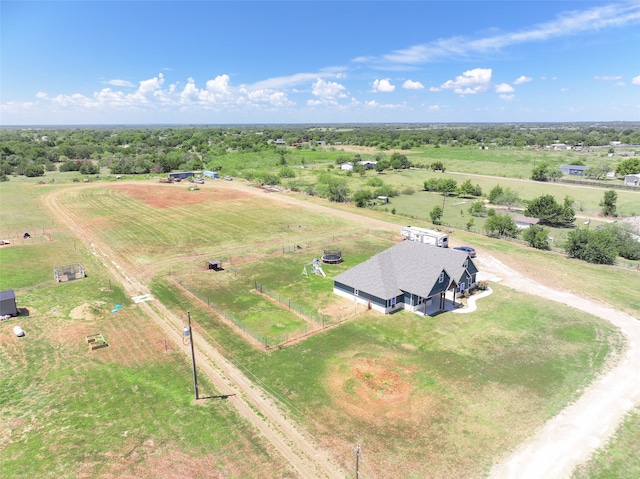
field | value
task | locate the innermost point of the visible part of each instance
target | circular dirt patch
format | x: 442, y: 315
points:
x: 371, y: 387
x: 88, y: 311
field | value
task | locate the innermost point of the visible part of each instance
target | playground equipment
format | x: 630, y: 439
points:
x: 332, y: 256
x: 316, y: 268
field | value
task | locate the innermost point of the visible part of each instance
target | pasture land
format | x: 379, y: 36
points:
x: 122, y: 411
x: 619, y: 458
x: 425, y: 397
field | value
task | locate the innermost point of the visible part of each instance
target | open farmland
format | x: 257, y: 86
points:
x: 411, y: 373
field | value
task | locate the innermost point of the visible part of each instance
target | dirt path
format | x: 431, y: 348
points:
x: 585, y: 425
x: 252, y: 402
x: 553, y: 452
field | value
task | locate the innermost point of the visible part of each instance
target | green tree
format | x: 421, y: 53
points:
x: 478, y: 209
x: 628, y: 167
x: 495, y: 194
x: 399, y: 161
x: 501, y: 225
x: 436, y: 215
x: 550, y: 212
x: 598, y: 247
x: 287, y: 172
x: 432, y: 184
x: 626, y: 238
x: 608, y: 203
x: 338, y: 191
x: 540, y: 173
x: 467, y: 189
x: 447, y: 186
x: 601, y: 248
x: 537, y: 237
x: 34, y: 170
x: 437, y: 166
x: 362, y: 198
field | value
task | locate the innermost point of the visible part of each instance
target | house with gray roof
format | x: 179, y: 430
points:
x: 409, y: 275
x: 573, y: 170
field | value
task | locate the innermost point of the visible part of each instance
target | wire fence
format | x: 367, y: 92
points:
x: 314, y: 322
x: 27, y: 236
x: 317, y: 319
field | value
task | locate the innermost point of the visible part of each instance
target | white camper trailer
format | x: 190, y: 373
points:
x: 426, y: 236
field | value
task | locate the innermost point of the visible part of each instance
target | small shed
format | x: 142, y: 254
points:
x: 211, y: 174
x: 8, y: 303
x: 215, y: 265
x: 523, y: 222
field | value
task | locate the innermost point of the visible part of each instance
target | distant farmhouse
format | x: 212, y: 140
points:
x: 411, y: 276
x: 632, y: 180
x: 573, y: 170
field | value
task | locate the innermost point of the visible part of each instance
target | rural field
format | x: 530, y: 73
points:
x: 443, y: 396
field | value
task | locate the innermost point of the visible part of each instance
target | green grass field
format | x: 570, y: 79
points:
x: 425, y: 397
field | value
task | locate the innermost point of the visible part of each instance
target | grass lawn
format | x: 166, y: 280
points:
x: 430, y: 397
x: 620, y: 458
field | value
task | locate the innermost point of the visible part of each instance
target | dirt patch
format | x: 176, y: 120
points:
x: 89, y: 311
x: 372, y: 388
x: 170, y: 196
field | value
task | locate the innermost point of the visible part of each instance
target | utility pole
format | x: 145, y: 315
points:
x: 188, y: 333
x: 358, y: 461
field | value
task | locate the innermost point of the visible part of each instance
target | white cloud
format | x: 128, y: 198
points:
x: 121, y: 83
x: 328, y: 90
x: 434, y: 107
x: 507, y: 97
x: 636, y: 80
x: 383, y: 86
x: 470, y: 82
x: 434, y: 88
x: 412, y: 85
x: 608, y: 78
x: 504, y: 88
x: 565, y: 24
x: 522, y: 79
x: 297, y: 79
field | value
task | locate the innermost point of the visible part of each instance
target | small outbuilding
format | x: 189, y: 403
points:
x: 523, y: 222
x: 632, y: 180
x: 68, y: 272
x: 8, y: 303
x: 215, y: 265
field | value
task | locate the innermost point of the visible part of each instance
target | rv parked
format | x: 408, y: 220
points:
x: 426, y: 236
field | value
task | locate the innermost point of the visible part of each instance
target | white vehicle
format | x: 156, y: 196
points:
x: 18, y: 331
x: 426, y: 236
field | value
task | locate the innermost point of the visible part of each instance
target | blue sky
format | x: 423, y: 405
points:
x: 230, y: 62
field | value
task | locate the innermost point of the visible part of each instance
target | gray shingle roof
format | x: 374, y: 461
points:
x: 408, y: 266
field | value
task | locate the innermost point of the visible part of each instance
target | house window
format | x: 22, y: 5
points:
x: 461, y: 287
x: 393, y: 301
x: 356, y: 292
x: 466, y: 264
x: 441, y: 279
